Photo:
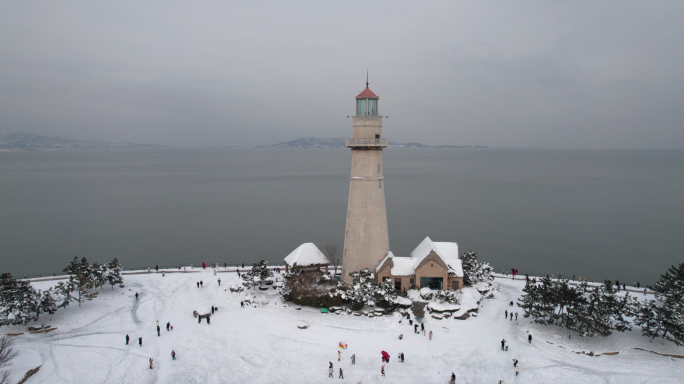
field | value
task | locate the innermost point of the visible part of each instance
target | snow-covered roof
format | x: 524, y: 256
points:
x: 406, y: 266
x: 305, y: 255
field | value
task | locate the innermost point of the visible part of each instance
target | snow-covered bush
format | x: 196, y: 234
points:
x: 310, y: 289
x: 475, y: 271
x: 447, y: 296
x: 426, y: 294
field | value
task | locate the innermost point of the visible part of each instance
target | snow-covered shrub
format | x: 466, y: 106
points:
x: 305, y: 288
x: 475, y: 271
x: 447, y: 296
x: 426, y: 294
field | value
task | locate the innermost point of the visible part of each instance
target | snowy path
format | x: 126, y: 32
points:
x: 264, y: 345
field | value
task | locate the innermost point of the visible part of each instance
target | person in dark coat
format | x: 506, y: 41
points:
x: 198, y: 284
x: 515, y: 362
x: 242, y: 304
x: 208, y: 320
x: 506, y: 316
x: 156, y: 268
x: 341, y: 375
x: 212, y: 309
x: 422, y: 326
x: 136, y: 295
x: 173, y: 355
x: 201, y: 283
x: 219, y: 281
x: 529, y: 339
x: 140, y: 341
x: 127, y: 338
x: 158, y: 329
x: 410, y: 322
x: 353, y: 359
x: 330, y: 369
x: 168, y: 325
x: 415, y: 328
x: 502, y: 343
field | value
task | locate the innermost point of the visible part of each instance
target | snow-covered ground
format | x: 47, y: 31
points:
x: 263, y: 344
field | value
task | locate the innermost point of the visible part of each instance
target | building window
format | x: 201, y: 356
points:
x: 431, y: 282
x: 412, y: 281
x: 397, y: 284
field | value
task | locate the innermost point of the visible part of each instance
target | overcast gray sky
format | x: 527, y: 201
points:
x: 556, y: 74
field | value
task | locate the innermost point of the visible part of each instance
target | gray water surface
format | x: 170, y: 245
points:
x: 615, y: 214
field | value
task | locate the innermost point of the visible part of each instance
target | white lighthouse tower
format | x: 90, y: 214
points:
x: 366, y: 241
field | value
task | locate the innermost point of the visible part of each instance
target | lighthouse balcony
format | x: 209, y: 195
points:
x: 367, y: 143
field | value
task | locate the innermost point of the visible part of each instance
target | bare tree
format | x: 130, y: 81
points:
x: 7, y: 354
x: 331, y: 254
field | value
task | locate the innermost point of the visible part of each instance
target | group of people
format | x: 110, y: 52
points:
x: 506, y: 315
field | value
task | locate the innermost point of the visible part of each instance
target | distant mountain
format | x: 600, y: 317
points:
x: 314, y: 142
x: 30, y: 141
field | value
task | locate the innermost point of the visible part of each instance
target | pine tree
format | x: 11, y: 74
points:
x: 18, y: 301
x: 385, y: 294
x: 257, y: 274
x: 113, y: 275
x: 363, y: 289
x: 664, y: 316
x: 81, y: 284
x: 475, y: 271
x: 529, y: 299
x: 98, y: 272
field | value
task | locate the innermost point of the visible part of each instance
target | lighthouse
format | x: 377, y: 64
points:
x: 366, y: 241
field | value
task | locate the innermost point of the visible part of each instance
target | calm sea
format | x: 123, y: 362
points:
x: 615, y: 214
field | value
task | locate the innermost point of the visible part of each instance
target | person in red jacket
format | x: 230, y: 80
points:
x: 204, y: 265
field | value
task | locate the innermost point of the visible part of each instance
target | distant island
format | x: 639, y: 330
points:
x: 314, y: 142
x: 31, y: 141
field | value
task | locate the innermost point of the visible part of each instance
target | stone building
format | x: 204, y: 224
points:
x: 434, y: 265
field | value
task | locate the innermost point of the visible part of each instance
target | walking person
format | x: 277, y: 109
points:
x: 168, y: 325
x: 136, y: 295
x: 529, y: 339
x: 353, y: 359
x: 517, y: 370
x: 214, y: 272
x: 511, y: 316
x: 415, y: 328
x: 242, y: 304
x: 198, y: 284
x: 503, y: 344
x: 212, y: 309
x: 515, y: 363
x: 453, y: 378
x: 506, y: 346
x: 151, y: 361
x: 219, y: 281
x: 516, y: 316
x: 140, y: 341
x: 158, y: 330
x: 204, y: 266
x: 339, y: 355
x: 422, y: 326
x: 127, y: 338
x: 430, y: 335
x: 201, y: 283
x: 330, y: 369
x: 173, y: 355
x: 382, y: 370
x: 156, y: 267
x: 506, y: 316
x: 341, y: 375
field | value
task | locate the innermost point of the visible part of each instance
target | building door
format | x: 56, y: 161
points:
x: 397, y: 284
x: 454, y: 285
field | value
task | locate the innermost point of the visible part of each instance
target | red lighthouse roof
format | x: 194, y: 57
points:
x: 367, y: 94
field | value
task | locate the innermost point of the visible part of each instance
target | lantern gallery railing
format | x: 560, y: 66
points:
x: 368, y: 142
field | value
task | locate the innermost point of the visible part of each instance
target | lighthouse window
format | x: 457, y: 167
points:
x: 361, y: 107
x: 373, y: 107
